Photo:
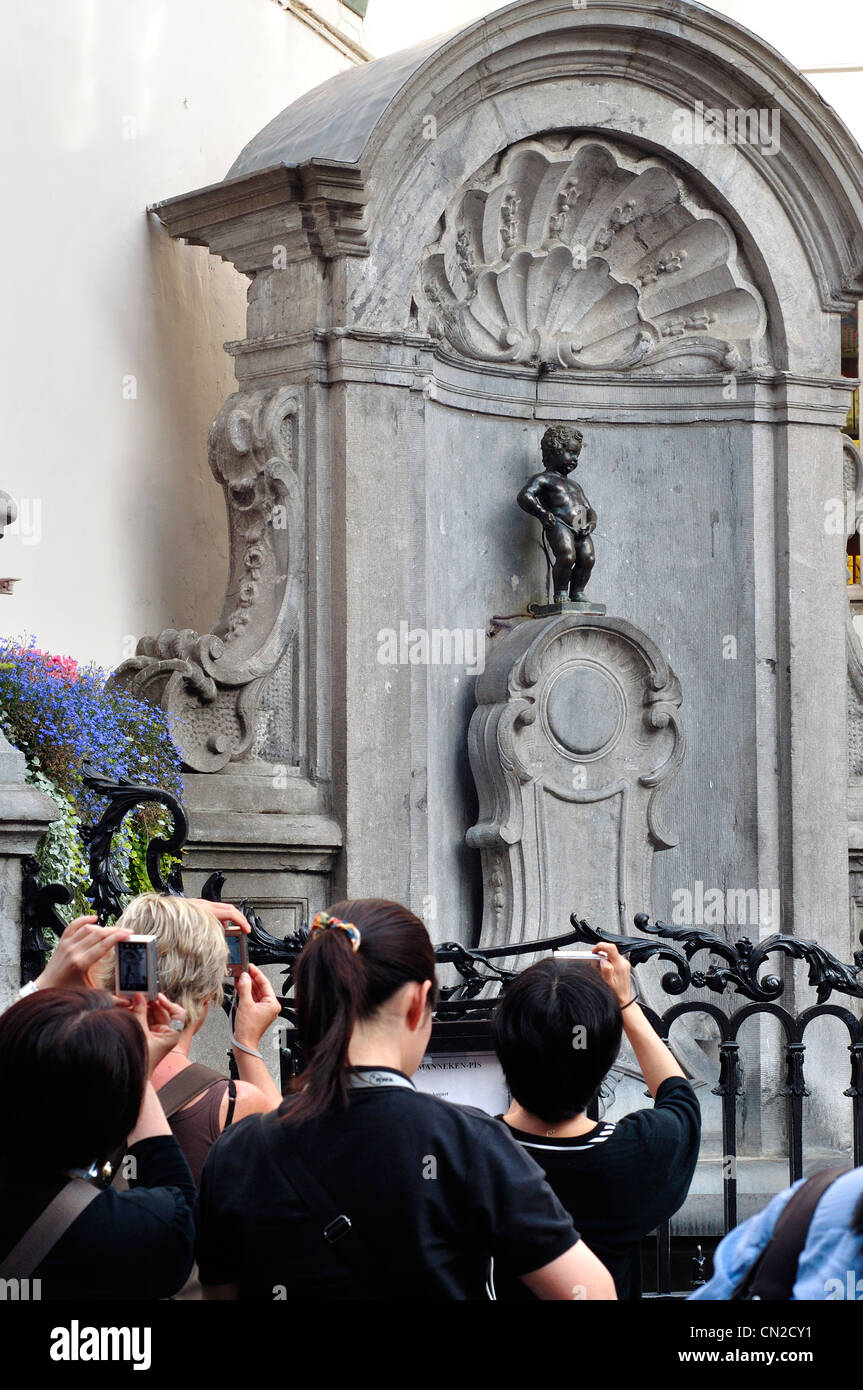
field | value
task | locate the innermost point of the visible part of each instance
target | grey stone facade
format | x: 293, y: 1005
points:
x: 448, y: 250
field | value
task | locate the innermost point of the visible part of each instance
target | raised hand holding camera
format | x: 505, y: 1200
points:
x: 161, y: 1021
x: 82, y: 944
x: 616, y: 971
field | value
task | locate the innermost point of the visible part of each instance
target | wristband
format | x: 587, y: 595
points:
x: 251, y: 1051
x: 633, y: 1000
x: 30, y: 988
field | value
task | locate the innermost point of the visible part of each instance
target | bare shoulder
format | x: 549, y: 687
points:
x: 250, y: 1101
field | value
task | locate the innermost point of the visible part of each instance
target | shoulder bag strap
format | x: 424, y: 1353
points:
x: 772, y: 1276
x: 46, y: 1230
x: 232, y: 1101
x: 192, y: 1081
x: 336, y: 1228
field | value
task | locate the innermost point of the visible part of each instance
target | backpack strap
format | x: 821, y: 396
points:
x: 773, y: 1275
x: 192, y: 1081
x: 40, y: 1238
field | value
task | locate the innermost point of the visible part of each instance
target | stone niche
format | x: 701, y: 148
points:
x: 448, y: 249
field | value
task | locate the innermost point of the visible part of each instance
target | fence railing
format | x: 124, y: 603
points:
x: 464, y: 1009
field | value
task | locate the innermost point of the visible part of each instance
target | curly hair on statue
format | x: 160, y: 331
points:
x: 560, y: 437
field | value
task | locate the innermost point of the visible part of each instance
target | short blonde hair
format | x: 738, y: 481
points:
x: 192, y: 953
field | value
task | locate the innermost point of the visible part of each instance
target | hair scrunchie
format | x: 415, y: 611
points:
x: 323, y: 922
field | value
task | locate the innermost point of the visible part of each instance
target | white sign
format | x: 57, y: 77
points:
x: 468, y: 1078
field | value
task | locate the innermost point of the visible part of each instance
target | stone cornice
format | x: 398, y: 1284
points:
x: 312, y: 209
x: 416, y: 362
x: 304, y: 833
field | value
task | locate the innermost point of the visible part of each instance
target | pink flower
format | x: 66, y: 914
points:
x: 63, y: 667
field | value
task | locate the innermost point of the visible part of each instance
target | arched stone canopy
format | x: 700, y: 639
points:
x: 547, y: 66
x: 579, y: 68
x: 710, y: 475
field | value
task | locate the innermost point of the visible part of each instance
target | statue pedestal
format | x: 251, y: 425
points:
x: 567, y: 605
x: 574, y: 739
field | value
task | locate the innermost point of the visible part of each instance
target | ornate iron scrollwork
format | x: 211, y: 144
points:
x: 475, y: 969
x: 730, y: 1081
x: 39, y: 902
x: 482, y: 979
x: 743, y: 960
x: 264, y: 948
x: 106, y: 890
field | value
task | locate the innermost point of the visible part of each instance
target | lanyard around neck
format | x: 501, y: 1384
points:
x: 375, y: 1078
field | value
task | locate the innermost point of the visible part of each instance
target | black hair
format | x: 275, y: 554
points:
x: 73, y: 1067
x: 335, y: 987
x: 557, y: 1032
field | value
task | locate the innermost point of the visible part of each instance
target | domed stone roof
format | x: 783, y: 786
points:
x: 334, y: 120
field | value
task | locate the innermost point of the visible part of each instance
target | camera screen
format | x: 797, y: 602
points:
x: 235, y: 948
x: 132, y: 966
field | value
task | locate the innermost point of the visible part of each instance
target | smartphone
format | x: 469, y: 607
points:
x: 582, y: 957
x: 135, y: 970
x: 238, y: 951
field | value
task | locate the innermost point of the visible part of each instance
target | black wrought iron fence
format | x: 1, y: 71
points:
x: 464, y: 1009
x: 739, y: 968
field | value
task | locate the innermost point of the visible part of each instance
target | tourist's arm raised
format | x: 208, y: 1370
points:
x: 656, y: 1060
x: 82, y: 944
x: 257, y: 1009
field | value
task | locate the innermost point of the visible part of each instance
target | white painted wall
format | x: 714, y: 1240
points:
x: 108, y: 106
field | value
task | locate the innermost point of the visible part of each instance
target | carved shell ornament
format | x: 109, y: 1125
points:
x: 585, y: 257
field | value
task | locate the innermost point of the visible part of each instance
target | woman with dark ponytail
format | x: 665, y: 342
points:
x: 359, y: 1186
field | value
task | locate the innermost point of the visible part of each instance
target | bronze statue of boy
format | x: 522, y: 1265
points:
x: 566, y: 515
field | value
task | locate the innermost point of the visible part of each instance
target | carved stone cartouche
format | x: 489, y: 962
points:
x: 212, y: 684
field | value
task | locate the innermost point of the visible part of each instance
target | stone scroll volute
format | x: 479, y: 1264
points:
x: 211, y: 685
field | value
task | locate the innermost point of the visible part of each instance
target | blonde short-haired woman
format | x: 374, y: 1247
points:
x: 192, y: 957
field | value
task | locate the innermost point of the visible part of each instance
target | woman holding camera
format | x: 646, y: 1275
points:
x: 192, y: 964
x: 360, y: 1186
x: 75, y: 1076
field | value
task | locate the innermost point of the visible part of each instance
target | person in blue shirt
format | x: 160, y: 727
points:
x: 831, y: 1264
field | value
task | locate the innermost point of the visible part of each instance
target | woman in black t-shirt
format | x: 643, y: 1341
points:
x: 74, y: 1075
x: 359, y: 1186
